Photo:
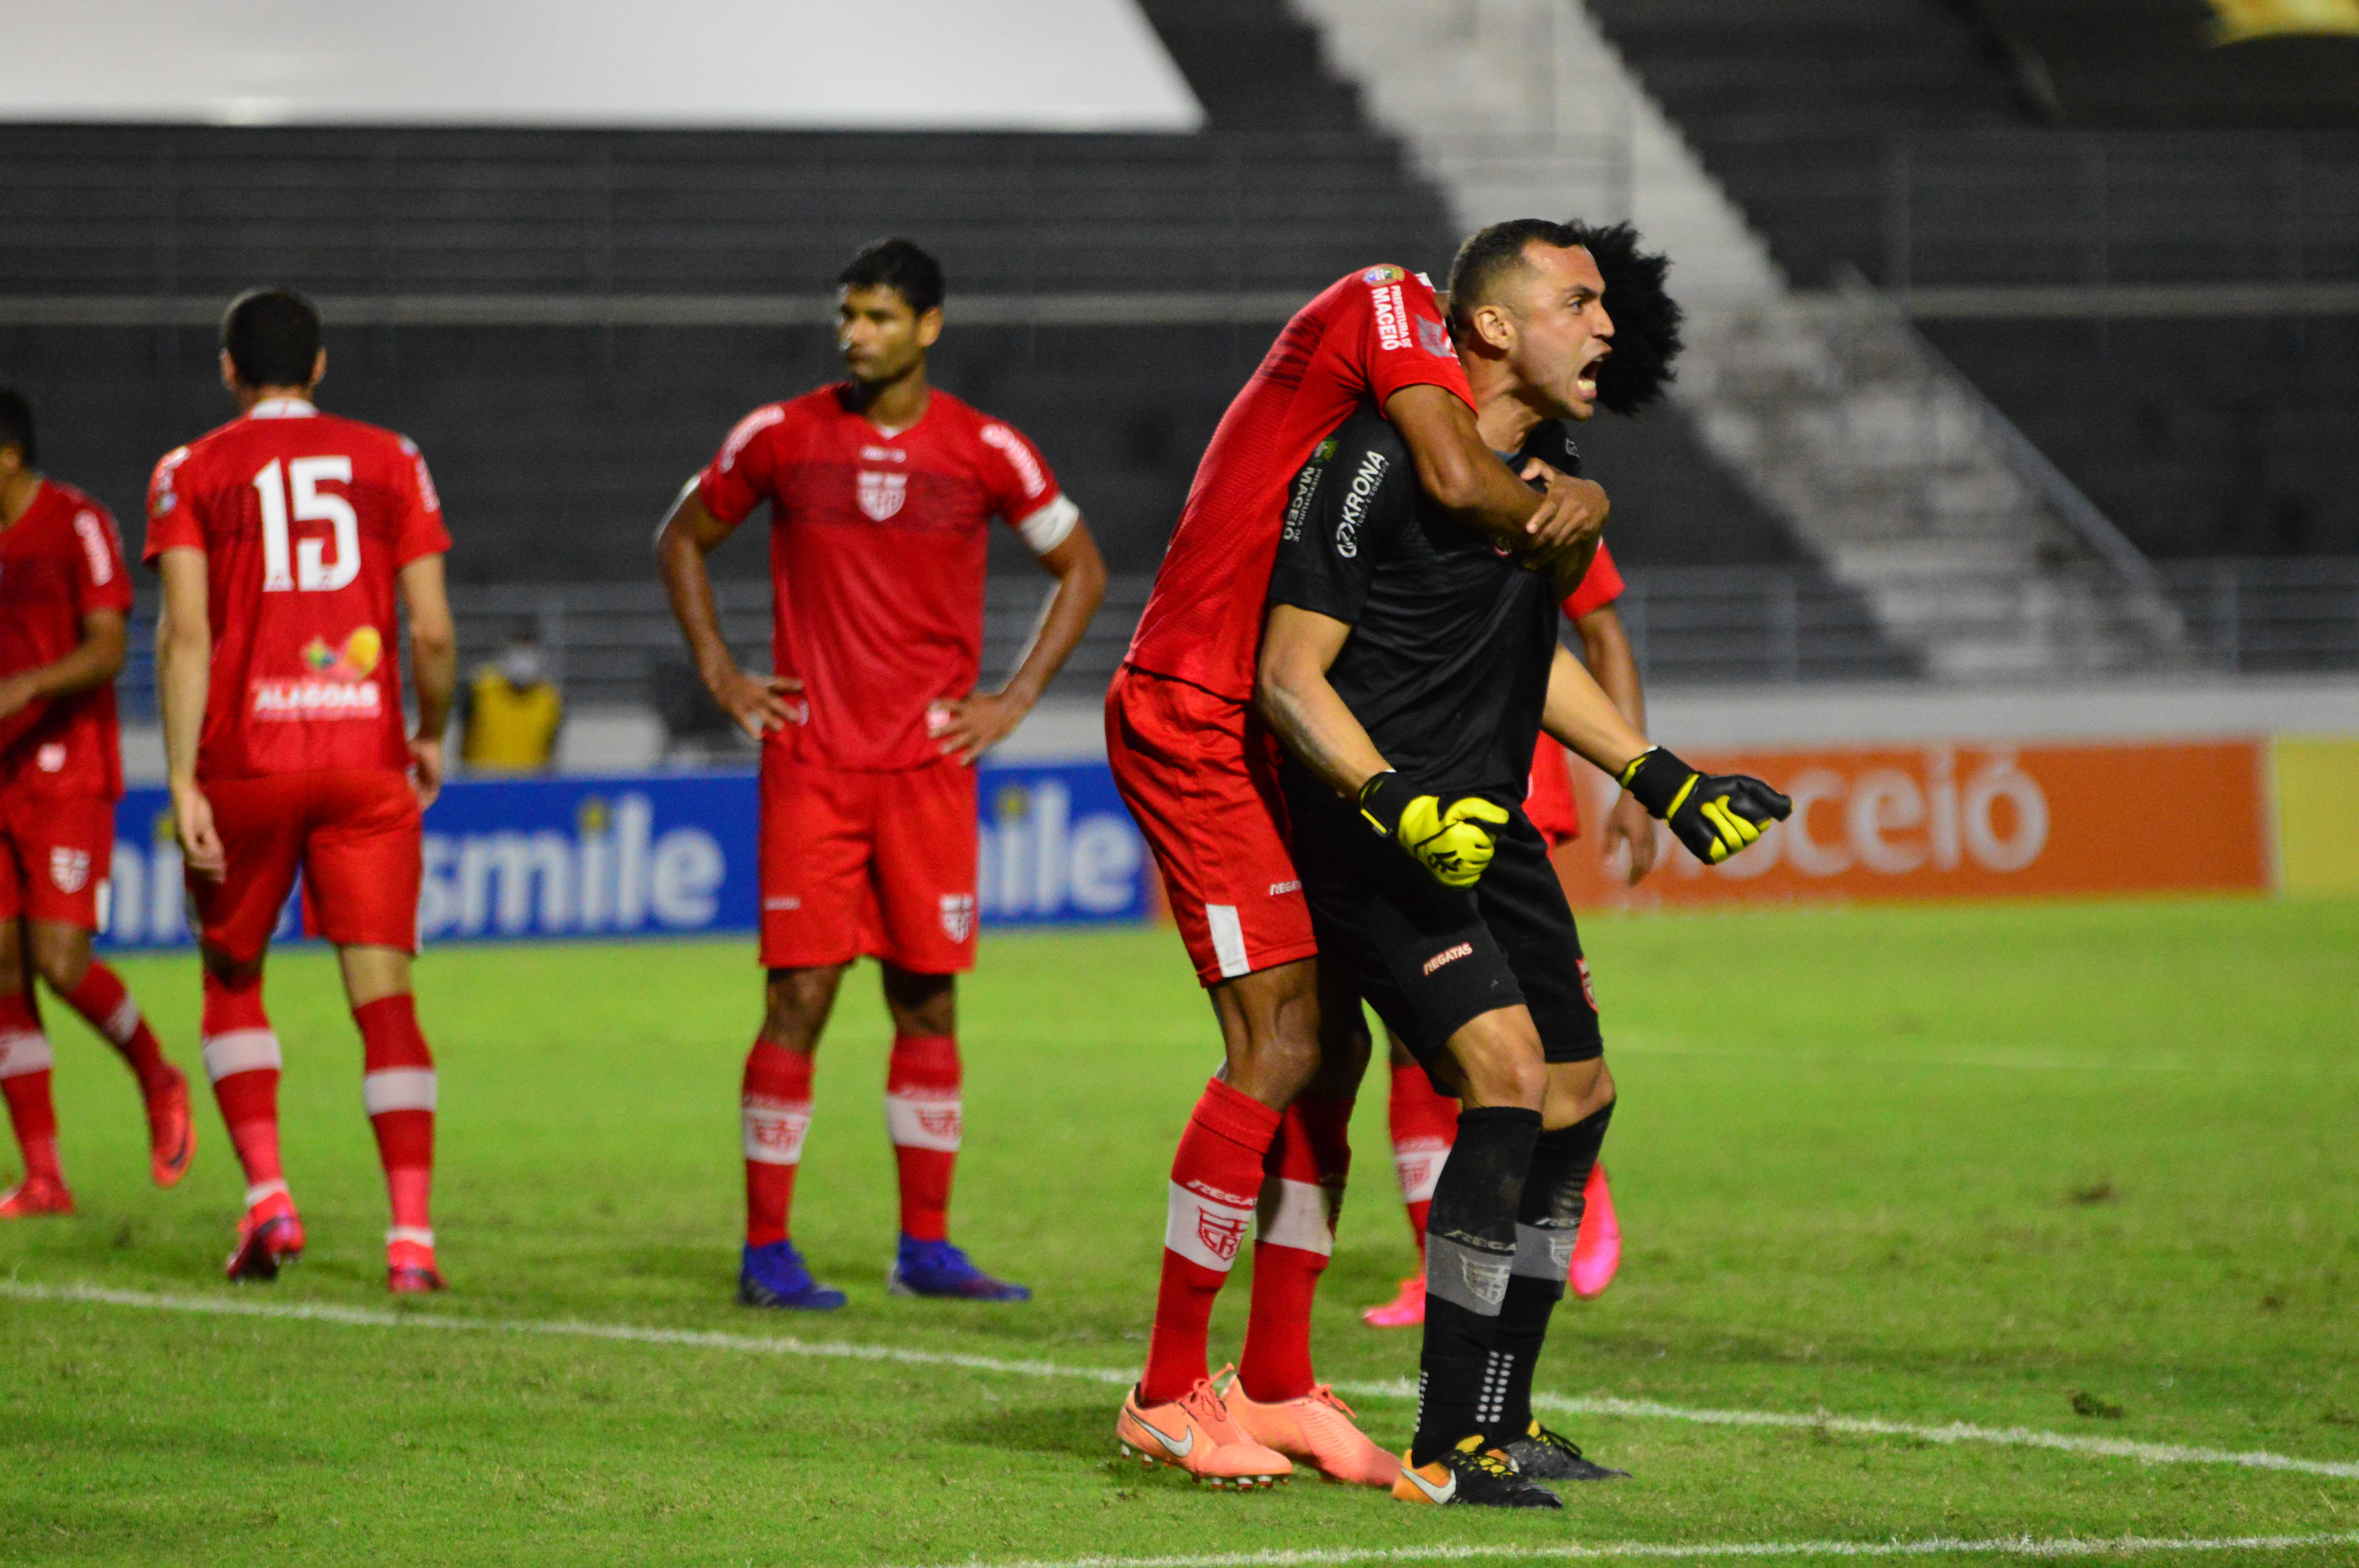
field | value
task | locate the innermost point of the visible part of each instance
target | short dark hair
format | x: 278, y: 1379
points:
x: 898, y: 265
x: 272, y: 336
x: 1645, y: 318
x: 16, y: 425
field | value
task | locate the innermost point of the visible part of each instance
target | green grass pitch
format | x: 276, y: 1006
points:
x: 2086, y: 1169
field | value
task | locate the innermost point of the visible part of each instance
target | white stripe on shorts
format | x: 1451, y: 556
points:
x: 1228, y: 940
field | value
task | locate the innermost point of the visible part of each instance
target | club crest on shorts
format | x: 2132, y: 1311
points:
x: 1220, y: 1233
x: 881, y: 494
x: 70, y: 869
x: 1588, y: 992
x: 958, y: 915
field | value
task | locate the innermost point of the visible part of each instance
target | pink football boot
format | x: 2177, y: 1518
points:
x: 1597, y: 1251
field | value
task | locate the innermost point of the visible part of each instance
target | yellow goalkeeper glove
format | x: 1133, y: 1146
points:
x: 1714, y: 815
x: 1454, y: 842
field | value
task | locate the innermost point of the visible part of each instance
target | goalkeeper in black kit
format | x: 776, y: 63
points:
x: 1409, y: 664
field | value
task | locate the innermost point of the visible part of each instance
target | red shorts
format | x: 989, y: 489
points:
x: 356, y: 836
x: 858, y: 863
x: 55, y: 850
x: 1200, y: 774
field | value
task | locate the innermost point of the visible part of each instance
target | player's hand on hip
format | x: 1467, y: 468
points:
x: 1572, y: 511
x: 1454, y: 841
x: 1628, y: 826
x: 1714, y: 815
x: 757, y: 703
x: 426, y: 767
x: 192, y: 823
x: 972, y: 725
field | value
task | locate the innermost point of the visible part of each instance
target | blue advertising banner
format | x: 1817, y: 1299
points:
x: 656, y: 854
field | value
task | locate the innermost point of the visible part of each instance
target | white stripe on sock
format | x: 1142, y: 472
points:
x: 240, y: 1051
x: 416, y: 1235
x: 775, y: 1130
x: 917, y: 1121
x: 254, y: 1195
x: 398, y: 1088
x: 124, y: 1022
x: 28, y: 1050
x: 1205, y: 1231
x: 1299, y: 1214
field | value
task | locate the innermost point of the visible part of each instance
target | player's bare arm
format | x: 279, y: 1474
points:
x: 184, y: 650
x: 1605, y: 650
x: 757, y: 703
x: 1581, y: 715
x: 433, y: 668
x: 1291, y: 690
x: 97, y: 660
x: 1458, y: 468
x: 982, y: 721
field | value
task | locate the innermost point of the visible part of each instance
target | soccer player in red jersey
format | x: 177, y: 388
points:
x: 1423, y: 1120
x: 882, y: 488
x: 285, y: 540
x: 1197, y: 771
x: 64, y: 595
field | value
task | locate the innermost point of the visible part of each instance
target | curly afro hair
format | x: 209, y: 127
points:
x: 1645, y: 318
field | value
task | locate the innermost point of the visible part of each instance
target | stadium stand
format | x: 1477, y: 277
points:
x: 567, y: 322
x: 2167, y: 313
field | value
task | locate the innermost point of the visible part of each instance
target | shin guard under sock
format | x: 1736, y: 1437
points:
x: 775, y: 1103
x: 25, y: 1062
x: 1423, y: 1122
x: 103, y: 1000
x: 1548, y: 1222
x: 1215, y: 1181
x: 923, y: 1114
x: 1470, y: 1247
x: 398, y: 1086
x: 241, y: 1059
x: 1301, y: 1193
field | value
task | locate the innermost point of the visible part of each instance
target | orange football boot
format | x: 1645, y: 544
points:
x: 171, y: 1135
x: 270, y: 1234
x: 1317, y: 1428
x: 1194, y: 1433
x: 39, y: 1195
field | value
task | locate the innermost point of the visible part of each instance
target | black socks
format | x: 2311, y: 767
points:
x: 1470, y: 1251
x: 1547, y: 1220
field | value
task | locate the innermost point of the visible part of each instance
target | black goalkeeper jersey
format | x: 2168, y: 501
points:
x: 1447, y: 665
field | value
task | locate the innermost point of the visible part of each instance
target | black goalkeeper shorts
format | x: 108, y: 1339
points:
x: 1430, y: 959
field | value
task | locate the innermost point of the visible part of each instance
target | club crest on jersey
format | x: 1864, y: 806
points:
x: 1220, y: 1233
x: 958, y: 915
x: 1384, y: 274
x: 881, y: 494
x: 1434, y: 337
x: 70, y: 869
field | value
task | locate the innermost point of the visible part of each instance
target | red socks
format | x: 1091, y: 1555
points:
x: 102, y: 999
x: 776, y: 1103
x: 1216, y: 1178
x: 398, y: 1086
x: 923, y: 1111
x: 1302, y: 1192
x: 24, y: 1060
x: 243, y: 1061
x: 1424, y: 1125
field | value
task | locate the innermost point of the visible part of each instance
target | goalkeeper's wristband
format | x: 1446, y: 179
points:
x: 1383, y: 799
x: 1659, y: 781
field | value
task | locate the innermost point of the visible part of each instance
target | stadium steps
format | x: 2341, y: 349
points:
x: 1884, y: 463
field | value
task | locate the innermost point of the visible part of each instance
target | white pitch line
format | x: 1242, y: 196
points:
x: 836, y: 1349
x: 1933, y: 1546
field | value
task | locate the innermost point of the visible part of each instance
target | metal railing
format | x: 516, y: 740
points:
x: 612, y: 644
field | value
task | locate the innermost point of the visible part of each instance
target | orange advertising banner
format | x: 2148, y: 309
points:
x: 1956, y: 819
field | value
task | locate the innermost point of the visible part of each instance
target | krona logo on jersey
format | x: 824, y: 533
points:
x: 881, y: 494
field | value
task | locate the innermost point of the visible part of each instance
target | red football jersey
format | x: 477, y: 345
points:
x: 1363, y: 338
x: 59, y: 562
x: 1599, y: 586
x: 305, y: 520
x: 877, y: 544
